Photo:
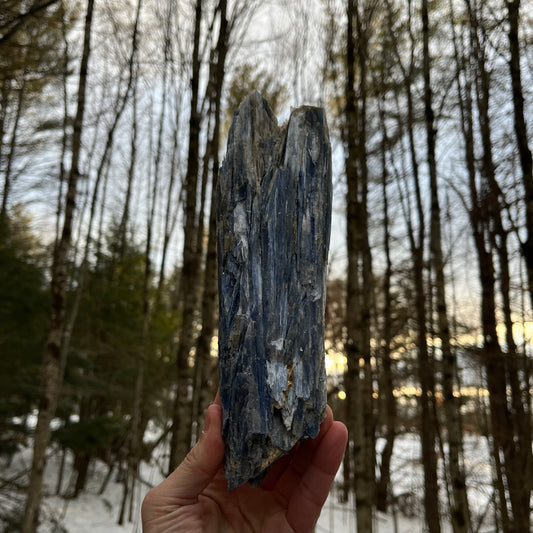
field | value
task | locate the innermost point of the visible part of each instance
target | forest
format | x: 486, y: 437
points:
x: 114, y: 118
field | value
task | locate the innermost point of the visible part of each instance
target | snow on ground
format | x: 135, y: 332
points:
x: 94, y: 513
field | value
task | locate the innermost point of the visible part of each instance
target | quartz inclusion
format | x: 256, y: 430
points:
x: 273, y: 225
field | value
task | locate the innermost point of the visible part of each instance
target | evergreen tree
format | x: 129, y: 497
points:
x: 23, y: 314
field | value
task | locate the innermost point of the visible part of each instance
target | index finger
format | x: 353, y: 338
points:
x: 311, y: 493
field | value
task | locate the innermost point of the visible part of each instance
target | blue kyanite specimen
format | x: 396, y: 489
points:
x: 274, y: 218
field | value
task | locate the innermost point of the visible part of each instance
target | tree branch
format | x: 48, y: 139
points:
x: 14, y: 24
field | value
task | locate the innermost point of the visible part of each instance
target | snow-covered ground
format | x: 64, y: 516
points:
x: 94, y: 513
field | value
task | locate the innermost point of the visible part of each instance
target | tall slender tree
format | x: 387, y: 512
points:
x: 208, y: 309
x: 181, y: 422
x: 417, y: 243
x: 8, y: 177
x: 520, y: 127
x: 359, y: 292
x: 511, y: 453
x: 521, y: 395
x: 460, y: 515
x: 101, y: 174
x: 51, y: 367
x: 383, y: 488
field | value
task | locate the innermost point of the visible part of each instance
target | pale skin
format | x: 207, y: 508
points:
x: 195, y: 496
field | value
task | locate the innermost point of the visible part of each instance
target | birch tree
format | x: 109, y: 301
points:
x: 51, y: 367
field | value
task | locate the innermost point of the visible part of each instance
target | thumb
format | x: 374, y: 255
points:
x: 200, y: 465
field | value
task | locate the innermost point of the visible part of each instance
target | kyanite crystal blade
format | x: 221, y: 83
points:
x: 274, y: 218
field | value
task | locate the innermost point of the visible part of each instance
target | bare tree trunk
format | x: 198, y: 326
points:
x: 61, y: 471
x: 167, y: 53
x: 82, y: 461
x: 101, y: 215
x: 519, y: 389
x: 460, y: 515
x: 119, y: 107
x: 125, y: 494
x: 353, y: 322
x: 493, y: 362
x: 5, y: 90
x: 124, y: 219
x: 202, y: 389
x: 181, y: 431
x: 506, y: 424
x: 51, y: 367
x: 12, y: 150
x: 102, y: 170
x: 364, y: 18
x: 526, y: 163
x: 428, y: 423
x: 64, y: 140
x: 383, y: 489
x: 203, y: 347
x: 520, y: 127
x: 173, y: 201
x: 135, y: 436
x: 486, y: 268
x: 427, y: 384
x: 360, y: 283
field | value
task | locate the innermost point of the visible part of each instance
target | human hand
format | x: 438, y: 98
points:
x: 195, y: 496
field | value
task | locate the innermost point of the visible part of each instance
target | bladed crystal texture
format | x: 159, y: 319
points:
x: 274, y: 198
